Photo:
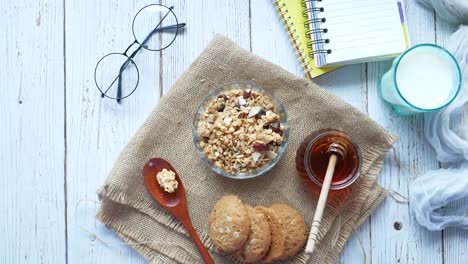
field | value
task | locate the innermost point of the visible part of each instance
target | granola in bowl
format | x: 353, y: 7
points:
x: 241, y: 130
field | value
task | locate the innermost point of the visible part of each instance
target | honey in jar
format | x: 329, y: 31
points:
x: 312, y: 161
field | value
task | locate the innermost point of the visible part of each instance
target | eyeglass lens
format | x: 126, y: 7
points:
x: 155, y: 27
x: 115, y: 70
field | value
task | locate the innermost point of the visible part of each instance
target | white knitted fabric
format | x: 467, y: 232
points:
x: 433, y: 196
x: 448, y: 136
x: 454, y: 11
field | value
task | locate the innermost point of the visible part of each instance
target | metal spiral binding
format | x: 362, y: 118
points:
x: 328, y: 51
x: 283, y: 12
x: 305, y: 64
x: 310, y: 31
x: 313, y: 31
x: 296, y: 45
x: 306, y: 11
x: 303, y: 56
x: 285, y: 19
x: 315, y: 20
x: 322, y: 41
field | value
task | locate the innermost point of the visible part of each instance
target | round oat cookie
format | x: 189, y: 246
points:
x: 259, y: 240
x: 229, y: 224
x: 295, y: 226
x: 278, y: 235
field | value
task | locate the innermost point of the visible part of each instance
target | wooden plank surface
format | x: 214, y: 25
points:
x: 69, y: 137
x: 394, y: 233
x: 97, y: 128
x: 32, y: 200
x: 204, y: 19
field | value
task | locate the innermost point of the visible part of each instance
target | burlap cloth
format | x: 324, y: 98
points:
x: 129, y: 210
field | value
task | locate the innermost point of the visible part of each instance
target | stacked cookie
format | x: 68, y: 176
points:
x: 256, y: 234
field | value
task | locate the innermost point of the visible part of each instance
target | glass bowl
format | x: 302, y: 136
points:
x: 241, y: 86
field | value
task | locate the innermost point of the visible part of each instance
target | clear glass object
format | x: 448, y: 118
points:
x: 402, y: 101
x: 241, y: 86
x: 312, y: 161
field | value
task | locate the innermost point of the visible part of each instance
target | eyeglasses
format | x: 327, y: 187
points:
x: 155, y: 27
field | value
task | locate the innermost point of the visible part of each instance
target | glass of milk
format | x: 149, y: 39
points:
x: 426, y: 78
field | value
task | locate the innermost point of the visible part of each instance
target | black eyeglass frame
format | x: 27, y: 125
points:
x: 130, y: 60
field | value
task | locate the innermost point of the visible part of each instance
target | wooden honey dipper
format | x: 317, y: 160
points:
x: 335, y: 150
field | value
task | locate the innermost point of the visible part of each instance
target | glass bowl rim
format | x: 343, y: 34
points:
x: 451, y: 57
x: 267, y: 167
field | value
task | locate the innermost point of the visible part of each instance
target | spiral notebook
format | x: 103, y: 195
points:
x: 355, y: 31
x: 294, y: 15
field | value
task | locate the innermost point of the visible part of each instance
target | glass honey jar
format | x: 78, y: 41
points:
x: 312, y: 161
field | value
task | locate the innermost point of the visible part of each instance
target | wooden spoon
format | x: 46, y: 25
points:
x: 175, y: 203
x: 336, y: 150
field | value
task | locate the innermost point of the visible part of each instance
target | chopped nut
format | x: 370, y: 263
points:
x: 272, y: 155
x: 241, y: 101
x: 271, y: 116
x: 242, y: 115
x: 236, y: 234
x: 254, y: 111
x: 210, y: 119
x: 256, y: 156
x: 228, y: 121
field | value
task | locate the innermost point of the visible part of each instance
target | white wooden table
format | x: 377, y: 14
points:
x: 59, y: 139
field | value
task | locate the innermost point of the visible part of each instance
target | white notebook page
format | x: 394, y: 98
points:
x: 361, y: 30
